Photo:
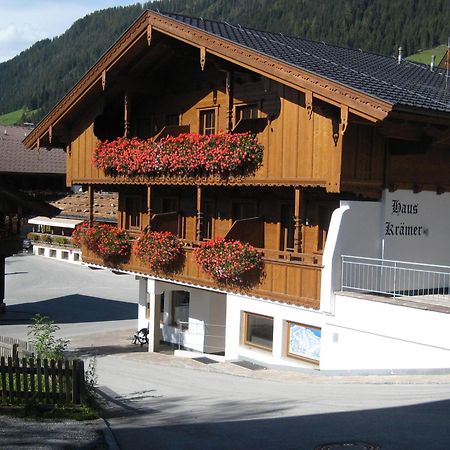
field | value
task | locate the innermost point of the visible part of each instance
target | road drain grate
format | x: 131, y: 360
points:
x: 249, y: 365
x: 348, y: 446
x: 205, y: 360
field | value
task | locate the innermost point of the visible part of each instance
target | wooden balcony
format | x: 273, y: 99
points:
x: 292, y: 278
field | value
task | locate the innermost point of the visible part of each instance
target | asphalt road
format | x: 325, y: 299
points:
x: 162, y: 402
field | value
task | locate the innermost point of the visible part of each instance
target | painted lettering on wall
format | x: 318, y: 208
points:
x: 399, y: 208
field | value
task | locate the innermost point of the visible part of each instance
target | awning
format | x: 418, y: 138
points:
x: 54, y: 222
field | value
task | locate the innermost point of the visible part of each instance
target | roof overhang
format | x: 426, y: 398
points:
x: 141, y: 30
x: 54, y: 222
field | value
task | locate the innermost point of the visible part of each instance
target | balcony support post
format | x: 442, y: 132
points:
x: 298, y: 207
x: 230, y: 94
x: 91, y: 204
x: 126, y: 114
x: 199, y: 223
x: 149, y: 206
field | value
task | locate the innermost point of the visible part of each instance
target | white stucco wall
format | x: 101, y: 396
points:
x: 425, y: 213
x: 72, y: 255
x: 367, y: 334
x: 281, y: 313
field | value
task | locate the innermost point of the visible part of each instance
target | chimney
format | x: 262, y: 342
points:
x: 399, y: 55
x: 433, y: 62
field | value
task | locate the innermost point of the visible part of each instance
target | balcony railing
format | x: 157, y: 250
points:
x: 288, y: 277
x: 395, y: 278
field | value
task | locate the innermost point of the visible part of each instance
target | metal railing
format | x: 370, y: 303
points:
x: 201, y: 336
x: 394, y: 278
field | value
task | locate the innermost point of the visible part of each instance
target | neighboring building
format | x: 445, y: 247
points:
x: 51, y: 236
x: 355, y: 162
x: 26, y: 179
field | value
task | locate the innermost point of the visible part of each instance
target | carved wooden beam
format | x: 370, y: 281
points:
x: 50, y: 134
x: 202, y: 57
x: 309, y: 103
x: 344, y: 119
x: 149, y: 34
x: 104, y: 80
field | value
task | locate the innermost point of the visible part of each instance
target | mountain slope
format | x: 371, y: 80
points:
x: 41, y: 75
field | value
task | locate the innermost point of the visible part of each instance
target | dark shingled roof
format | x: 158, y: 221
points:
x: 407, y: 84
x: 14, y: 157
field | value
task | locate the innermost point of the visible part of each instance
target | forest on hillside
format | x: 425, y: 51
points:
x: 41, y: 75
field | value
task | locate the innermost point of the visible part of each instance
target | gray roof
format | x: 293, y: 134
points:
x: 15, y: 158
x: 405, y: 84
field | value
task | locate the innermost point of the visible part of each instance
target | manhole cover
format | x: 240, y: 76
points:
x: 348, y: 446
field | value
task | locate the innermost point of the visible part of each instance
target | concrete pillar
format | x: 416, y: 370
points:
x: 278, y: 338
x: 167, y: 315
x: 142, y: 304
x: 154, y: 331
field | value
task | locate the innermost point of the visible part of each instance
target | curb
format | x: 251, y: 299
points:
x: 111, y: 441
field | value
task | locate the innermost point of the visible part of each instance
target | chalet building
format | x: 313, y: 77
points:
x: 348, y: 198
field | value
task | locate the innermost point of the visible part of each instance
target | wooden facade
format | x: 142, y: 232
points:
x: 322, y: 142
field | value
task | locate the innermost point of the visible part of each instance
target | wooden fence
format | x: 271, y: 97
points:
x: 41, y: 381
x: 15, y: 348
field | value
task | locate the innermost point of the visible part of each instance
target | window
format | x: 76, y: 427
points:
x: 207, y: 121
x: 52, y: 253
x: 76, y: 256
x: 64, y: 255
x: 41, y: 251
x: 258, y: 331
x: 303, y: 341
x: 132, y: 212
x: 246, y: 112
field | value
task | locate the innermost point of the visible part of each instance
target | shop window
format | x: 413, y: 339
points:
x: 180, y: 309
x: 52, y: 253
x: 76, y: 257
x: 41, y: 251
x: 207, y: 121
x: 64, y: 255
x: 246, y: 112
x: 258, y: 331
x: 303, y: 341
x: 132, y: 212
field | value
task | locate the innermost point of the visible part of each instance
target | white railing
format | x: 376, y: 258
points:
x: 201, y: 336
x: 394, y: 278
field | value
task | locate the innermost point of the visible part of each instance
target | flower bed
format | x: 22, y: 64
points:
x: 106, y: 240
x: 188, y: 154
x: 160, y: 250
x: 228, y: 260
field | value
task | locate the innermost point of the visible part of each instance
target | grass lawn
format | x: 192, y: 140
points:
x: 424, y: 57
x: 13, y: 117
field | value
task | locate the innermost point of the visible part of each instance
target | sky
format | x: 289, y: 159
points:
x: 24, y: 22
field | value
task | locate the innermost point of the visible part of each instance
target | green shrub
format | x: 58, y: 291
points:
x: 32, y: 237
x: 46, y: 238
x: 61, y: 240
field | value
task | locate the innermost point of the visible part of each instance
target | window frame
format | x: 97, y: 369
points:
x: 240, y: 106
x: 288, y: 353
x: 245, y: 331
x: 127, y: 216
x: 201, y: 129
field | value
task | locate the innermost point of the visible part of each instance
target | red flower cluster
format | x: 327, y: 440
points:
x: 158, y: 249
x: 227, y: 260
x: 79, y: 232
x: 188, y: 154
x: 104, y: 239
